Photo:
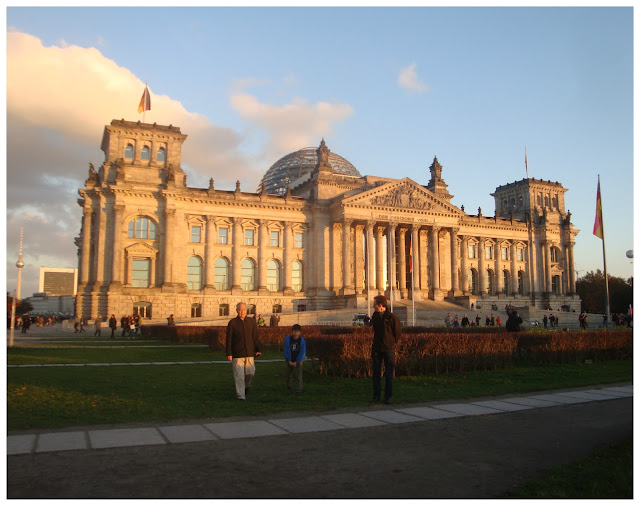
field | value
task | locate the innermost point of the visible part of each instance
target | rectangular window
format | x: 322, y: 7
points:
x: 275, y: 239
x: 140, y: 272
x: 520, y: 255
x: 505, y: 253
x: 223, y: 235
x: 298, y: 240
x: 472, y: 251
x: 248, y: 237
x: 196, y: 232
x: 488, y: 252
x: 223, y: 310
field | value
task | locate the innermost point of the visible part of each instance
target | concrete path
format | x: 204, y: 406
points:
x: 168, y: 434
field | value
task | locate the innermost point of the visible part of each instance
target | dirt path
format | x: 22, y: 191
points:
x: 467, y: 457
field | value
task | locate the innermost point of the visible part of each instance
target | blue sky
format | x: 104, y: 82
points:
x: 387, y: 88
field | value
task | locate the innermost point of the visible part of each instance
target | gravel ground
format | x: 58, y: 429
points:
x: 467, y: 457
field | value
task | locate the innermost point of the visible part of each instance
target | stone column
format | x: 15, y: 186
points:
x: 482, y: 278
x: 571, y: 269
x: 85, y: 273
x: 209, y: 247
x: 415, y: 260
x: 358, y: 242
x: 369, y: 264
x: 455, y: 286
x: 465, y: 264
x: 287, y: 256
x: 236, y: 255
x: 435, y: 261
x: 391, y: 243
x: 347, y: 258
x: 169, y: 227
x: 402, y: 254
x: 117, y: 263
x: 514, y: 269
x: 263, y: 241
x: 380, y: 281
x: 547, y: 266
x: 498, y: 267
x: 101, y: 246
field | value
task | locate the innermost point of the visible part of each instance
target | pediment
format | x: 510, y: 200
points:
x: 141, y: 249
x: 402, y: 194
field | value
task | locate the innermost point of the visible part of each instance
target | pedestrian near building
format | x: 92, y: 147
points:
x: 113, y: 325
x: 295, y: 348
x: 274, y: 320
x: 26, y: 323
x: 170, y: 321
x: 499, y: 321
x: 465, y: 321
x: 98, y: 324
x: 386, y: 333
x: 447, y: 320
x: 124, y: 323
x: 242, y: 347
x: 545, y: 320
x: 81, y: 323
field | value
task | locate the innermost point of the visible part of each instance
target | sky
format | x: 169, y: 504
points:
x: 388, y: 88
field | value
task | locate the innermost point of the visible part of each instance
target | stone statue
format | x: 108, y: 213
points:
x: 479, y: 212
x: 211, y: 184
x: 238, y: 185
x: 93, y: 175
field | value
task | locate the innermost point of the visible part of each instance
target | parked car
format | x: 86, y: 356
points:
x: 361, y: 319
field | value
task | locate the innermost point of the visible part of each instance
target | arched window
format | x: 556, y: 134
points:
x: 539, y: 199
x: 248, y: 274
x: 221, y: 275
x: 521, y: 282
x: 489, y: 281
x: 196, y: 310
x: 142, y: 309
x: 144, y: 153
x: 296, y: 276
x: 505, y: 282
x: 194, y: 273
x: 142, y: 228
x: 128, y: 151
x: 473, y: 282
x: 546, y: 201
x: 273, y: 275
x: 161, y: 155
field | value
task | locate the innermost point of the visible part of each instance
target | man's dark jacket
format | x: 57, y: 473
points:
x: 386, y: 331
x: 242, y: 338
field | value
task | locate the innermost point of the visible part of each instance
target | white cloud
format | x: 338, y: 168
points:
x: 60, y: 97
x: 409, y: 80
x: 292, y: 126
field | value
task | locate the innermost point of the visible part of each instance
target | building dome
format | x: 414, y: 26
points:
x: 295, y: 165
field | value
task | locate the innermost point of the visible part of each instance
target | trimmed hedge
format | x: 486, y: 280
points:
x: 346, y: 351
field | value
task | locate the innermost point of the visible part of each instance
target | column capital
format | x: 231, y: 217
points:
x: 454, y: 230
x: 347, y: 222
x: 237, y: 220
x: 289, y: 224
x: 210, y: 218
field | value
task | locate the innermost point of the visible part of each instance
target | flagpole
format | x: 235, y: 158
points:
x: 413, y: 295
x: 526, y: 163
x: 368, y: 257
x: 604, y: 259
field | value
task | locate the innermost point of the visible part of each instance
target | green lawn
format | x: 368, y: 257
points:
x: 48, y: 397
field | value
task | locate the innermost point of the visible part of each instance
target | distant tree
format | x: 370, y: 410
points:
x: 23, y: 307
x: 591, y: 289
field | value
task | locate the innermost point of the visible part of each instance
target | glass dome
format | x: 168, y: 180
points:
x: 295, y: 165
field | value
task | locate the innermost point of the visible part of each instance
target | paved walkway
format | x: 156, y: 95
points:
x: 261, y: 427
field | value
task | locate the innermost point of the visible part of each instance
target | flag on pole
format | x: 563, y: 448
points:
x: 597, y: 225
x: 526, y: 164
x: 145, y: 101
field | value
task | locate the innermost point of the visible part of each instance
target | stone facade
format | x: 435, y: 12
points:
x: 151, y: 244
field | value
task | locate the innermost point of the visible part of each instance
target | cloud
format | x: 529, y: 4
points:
x: 408, y: 79
x: 60, y: 97
x: 292, y: 126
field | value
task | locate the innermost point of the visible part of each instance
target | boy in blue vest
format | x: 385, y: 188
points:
x: 295, y: 348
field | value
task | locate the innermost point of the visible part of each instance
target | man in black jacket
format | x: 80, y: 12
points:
x: 242, y: 346
x: 386, y: 332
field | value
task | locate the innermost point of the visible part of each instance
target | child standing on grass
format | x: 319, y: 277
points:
x: 295, y: 348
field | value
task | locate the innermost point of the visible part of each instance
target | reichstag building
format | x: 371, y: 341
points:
x: 316, y: 235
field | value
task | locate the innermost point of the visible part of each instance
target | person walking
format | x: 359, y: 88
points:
x: 274, y: 320
x: 386, y: 332
x: 26, y: 323
x: 295, y: 348
x: 98, y: 325
x: 242, y: 346
x: 113, y: 324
